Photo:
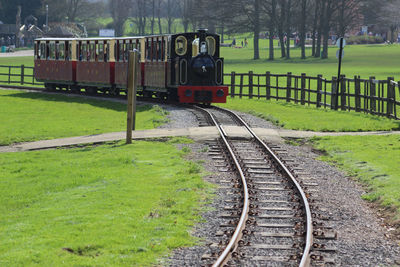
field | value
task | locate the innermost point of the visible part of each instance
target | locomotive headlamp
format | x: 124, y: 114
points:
x: 203, y: 48
x: 220, y: 93
x: 188, y: 93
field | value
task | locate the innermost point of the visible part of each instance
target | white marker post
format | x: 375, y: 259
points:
x: 132, y: 88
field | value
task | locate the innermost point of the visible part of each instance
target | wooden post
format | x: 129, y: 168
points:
x: 9, y: 74
x: 22, y: 73
x: 268, y: 85
x: 250, y: 84
x: 233, y: 84
x: 288, y: 86
x: 343, y: 92
x: 334, y: 93
x: 241, y: 86
x: 390, y: 94
x: 303, y: 89
x: 372, y: 93
x: 132, y: 87
x: 357, y: 93
x: 319, y: 90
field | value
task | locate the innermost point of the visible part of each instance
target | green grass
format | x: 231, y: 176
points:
x: 374, y: 160
x: 297, y: 117
x: 364, y: 60
x: 111, y: 205
x: 35, y: 116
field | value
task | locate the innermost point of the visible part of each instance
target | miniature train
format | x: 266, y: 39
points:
x: 183, y: 67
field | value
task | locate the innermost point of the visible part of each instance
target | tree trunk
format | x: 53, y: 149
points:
x: 288, y: 30
x: 327, y: 20
x: 320, y: 27
x: 159, y: 17
x: 341, y: 30
x: 303, y: 28
x: 315, y: 25
x: 280, y: 28
x: 256, y: 29
x: 153, y: 17
x: 272, y: 27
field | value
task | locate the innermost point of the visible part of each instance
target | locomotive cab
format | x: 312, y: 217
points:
x: 197, y: 68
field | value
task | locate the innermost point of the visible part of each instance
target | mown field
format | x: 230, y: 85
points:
x: 109, y: 205
x: 28, y: 116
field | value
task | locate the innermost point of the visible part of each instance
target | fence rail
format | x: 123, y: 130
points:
x: 378, y: 97
x: 18, y: 75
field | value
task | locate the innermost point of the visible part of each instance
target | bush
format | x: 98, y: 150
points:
x: 364, y: 39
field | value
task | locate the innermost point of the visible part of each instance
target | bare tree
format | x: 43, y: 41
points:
x: 281, y: 34
x: 391, y: 18
x: 270, y: 7
x: 120, y: 12
x: 288, y: 27
x: 303, y: 19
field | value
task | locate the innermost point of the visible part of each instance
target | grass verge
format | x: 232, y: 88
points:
x: 110, y: 205
x: 374, y: 160
x: 297, y: 117
x: 35, y: 116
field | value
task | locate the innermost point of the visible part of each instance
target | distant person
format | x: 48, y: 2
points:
x: 245, y: 42
x: 234, y: 42
x: 242, y: 43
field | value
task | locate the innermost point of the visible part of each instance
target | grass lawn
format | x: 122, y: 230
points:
x: 364, y: 60
x: 297, y: 117
x: 110, y: 205
x: 34, y: 116
x: 374, y: 160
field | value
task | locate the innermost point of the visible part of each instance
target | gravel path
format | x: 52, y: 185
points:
x: 362, y: 235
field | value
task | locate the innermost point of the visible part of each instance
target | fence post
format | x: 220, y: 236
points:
x: 22, y: 73
x: 357, y: 92
x: 9, y: 74
x: 343, y: 92
x: 241, y: 86
x: 303, y: 89
x: 319, y: 90
x: 334, y: 93
x: 233, y: 84
x: 372, y: 93
x: 250, y: 84
x: 268, y: 85
x: 288, y: 86
x: 390, y: 94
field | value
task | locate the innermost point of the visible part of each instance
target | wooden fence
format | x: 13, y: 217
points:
x: 18, y: 75
x: 379, y: 97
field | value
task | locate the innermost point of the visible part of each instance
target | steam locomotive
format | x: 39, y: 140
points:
x: 185, y: 67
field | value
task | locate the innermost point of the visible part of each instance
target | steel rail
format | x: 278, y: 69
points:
x: 233, y: 243
x: 305, y: 260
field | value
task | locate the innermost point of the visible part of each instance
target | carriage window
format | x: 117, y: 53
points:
x: 69, y: 54
x: 92, y: 52
x: 106, y: 52
x: 52, y: 51
x: 42, y: 51
x: 181, y: 45
x: 148, y: 50
x: 121, y: 52
x: 211, y: 45
x: 61, y: 51
x: 100, y: 52
x: 159, y: 50
x: 84, y: 52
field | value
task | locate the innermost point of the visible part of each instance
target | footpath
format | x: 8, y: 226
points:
x: 196, y: 133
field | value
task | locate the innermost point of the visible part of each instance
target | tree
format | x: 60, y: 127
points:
x: 270, y: 8
x: 120, y: 11
x: 303, y: 19
x: 391, y: 17
x: 282, y: 6
x: 288, y: 28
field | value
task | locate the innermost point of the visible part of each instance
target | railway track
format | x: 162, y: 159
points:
x: 267, y: 219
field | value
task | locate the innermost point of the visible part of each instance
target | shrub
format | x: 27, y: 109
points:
x: 364, y: 39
